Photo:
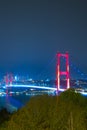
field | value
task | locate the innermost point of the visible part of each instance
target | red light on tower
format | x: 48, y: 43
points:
x: 11, y: 79
x: 7, y: 83
x: 60, y: 73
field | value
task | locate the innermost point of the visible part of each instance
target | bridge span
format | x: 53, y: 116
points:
x: 30, y: 86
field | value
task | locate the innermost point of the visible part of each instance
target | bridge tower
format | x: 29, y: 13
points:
x: 63, y: 73
x: 11, y: 79
x: 8, y: 80
x: 7, y: 83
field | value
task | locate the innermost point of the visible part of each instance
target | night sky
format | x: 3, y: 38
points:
x: 33, y: 31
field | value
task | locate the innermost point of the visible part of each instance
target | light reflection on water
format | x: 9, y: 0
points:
x: 13, y: 103
x: 14, y: 98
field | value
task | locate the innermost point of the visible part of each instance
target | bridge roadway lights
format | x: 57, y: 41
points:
x: 30, y: 86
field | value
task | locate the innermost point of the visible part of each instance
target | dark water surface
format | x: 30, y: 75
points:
x: 13, y: 103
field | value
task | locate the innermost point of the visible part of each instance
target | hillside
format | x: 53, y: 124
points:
x: 65, y: 112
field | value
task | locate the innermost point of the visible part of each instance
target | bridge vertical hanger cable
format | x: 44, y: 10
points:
x: 76, y: 69
x: 45, y: 71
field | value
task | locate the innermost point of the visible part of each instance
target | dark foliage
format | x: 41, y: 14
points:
x: 68, y: 111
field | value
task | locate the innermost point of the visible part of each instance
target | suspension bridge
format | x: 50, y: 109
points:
x: 60, y: 73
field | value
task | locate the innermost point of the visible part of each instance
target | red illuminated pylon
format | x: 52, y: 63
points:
x: 7, y: 82
x: 11, y: 79
x: 60, y: 73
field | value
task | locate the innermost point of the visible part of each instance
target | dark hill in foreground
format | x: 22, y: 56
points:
x: 65, y: 112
